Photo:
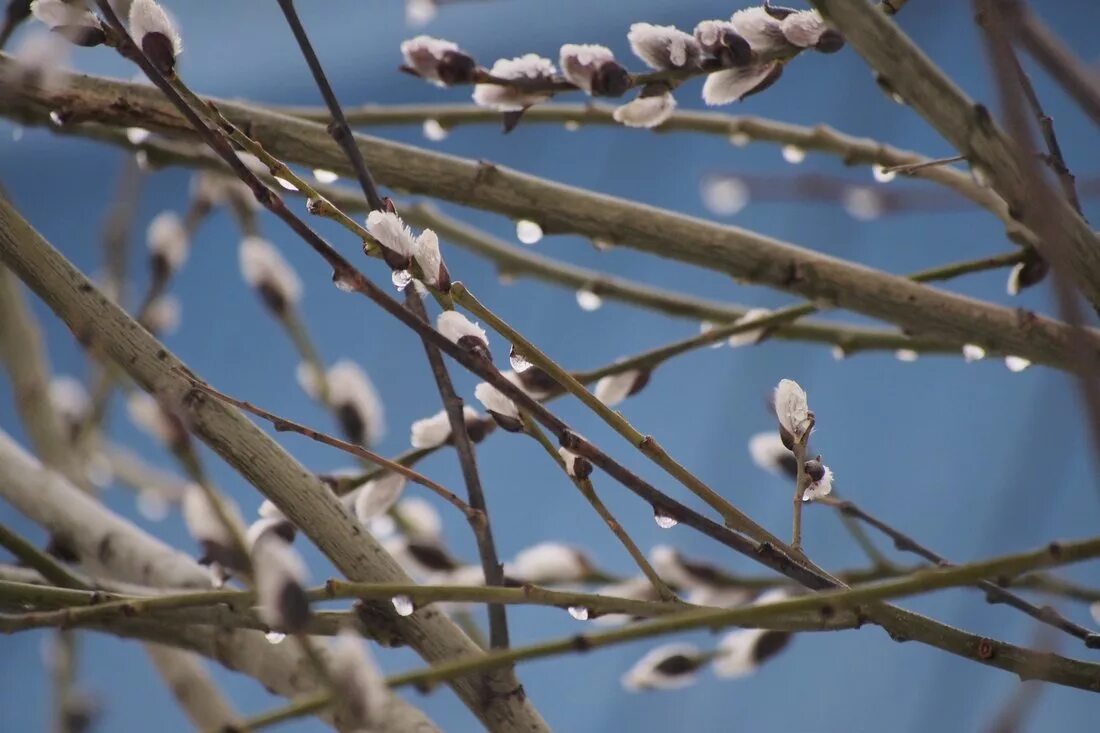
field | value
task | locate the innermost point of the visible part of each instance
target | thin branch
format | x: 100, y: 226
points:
x: 464, y: 448
x: 584, y: 485
x: 1079, y: 80
x: 282, y: 424
x: 338, y: 128
x: 994, y: 592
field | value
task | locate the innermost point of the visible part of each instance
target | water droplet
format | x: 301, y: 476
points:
x: 881, y: 174
x: 142, y: 160
x: 572, y: 125
x: 740, y: 139
x: 403, y: 605
x: 324, y: 176
x: 793, y: 154
x: 906, y: 355
x: 603, y: 244
x: 706, y: 327
x: 1017, y: 363
x: 518, y: 361
x: 588, y: 301
x: 724, y: 196
x: 56, y: 118
x: 839, y: 353
x: 286, y: 184
x: 579, y: 612
x: 17, y: 133
x: 897, y: 98
x: 979, y: 174
x: 862, y: 203
x: 137, y: 135
x: 973, y: 352
x: 401, y: 279
x: 663, y: 520
x: 274, y: 637
x: 343, y: 283
x: 152, y: 505
x: 434, y: 131
x: 528, y: 232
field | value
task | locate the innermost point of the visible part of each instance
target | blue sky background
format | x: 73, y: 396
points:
x: 971, y: 459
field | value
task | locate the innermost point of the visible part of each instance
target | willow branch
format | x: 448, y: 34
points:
x: 561, y: 208
x: 965, y: 124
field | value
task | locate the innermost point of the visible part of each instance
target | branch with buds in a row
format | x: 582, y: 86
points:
x: 740, y: 56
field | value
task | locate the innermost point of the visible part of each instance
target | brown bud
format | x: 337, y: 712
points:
x: 158, y: 48
x: 456, y: 68
x: 506, y: 422
x: 610, y: 80
x: 81, y: 35
x: 830, y: 42
x: 475, y: 346
x: 776, y: 11
x: 815, y: 469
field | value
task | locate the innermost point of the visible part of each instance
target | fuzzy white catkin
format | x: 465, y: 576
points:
x: 146, y: 16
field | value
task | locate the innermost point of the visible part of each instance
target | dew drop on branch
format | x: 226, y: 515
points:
x: 274, y: 637
x: 572, y: 125
x: 1017, y: 363
x: 137, y: 135
x: 325, y: 176
x: 663, y: 520
x: 793, y: 154
x: 403, y: 605
x: 401, y: 279
x: 343, y: 283
x: 906, y: 355
x: 579, y: 612
x: 57, y: 118
x: 862, y: 203
x: 434, y: 131
x: 839, y: 354
x: 286, y: 184
x: 588, y: 301
x: 979, y: 174
x: 725, y: 196
x: 518, y: 361
x: 881, y: 174
x: 972, y: 353
x: 528, y: 232
x: 740, y: 139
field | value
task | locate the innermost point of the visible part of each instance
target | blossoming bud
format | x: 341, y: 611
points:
x: 155, y: 34
x: 807, y: 29
x: 792, y: 410
x: 360, y: 689
x: 148, y: 414
x: 761, y: 29
x: 653, y: 105
x: 464, y: 332
x: 594, y: 69
x: 769, y: 453
x: 39, y: 61
x: 500, y: 407
x: 683, y: 572
x: 163, y: 314
x: 528, y: 68
x: 219, y: 548
x: 356, y: 402
x: 74, y: 23
x: 168, y: 243
x: 614, y: 388
x: 733, y: 85
x: 70, y: 400
x: 398, y: 244
x: 377, y: 496
x: 550, y: 562
x: 668, y: 667
x: 821, y: 480
x: 741, y: 652
x: 441, y: 62
x: 720, y: 39
x: 420, y: 519
x: 264, y: 268
x: 664, y: 47
x: 434, y: 431
x: 576, y: 466
x: 428, y: 257
x: 283, y: 527
x: 1027, y: 273
x: 534, y: 380
x: 280, y: 575
x: 753, y: 336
